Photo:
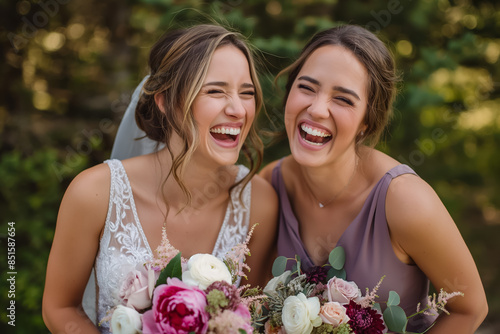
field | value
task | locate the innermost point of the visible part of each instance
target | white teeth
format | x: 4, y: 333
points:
x: 226, y: 131
x: 313, y: 143
x: 314, y: 132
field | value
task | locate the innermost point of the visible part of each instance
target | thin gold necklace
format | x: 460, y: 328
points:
x: 324, y: 204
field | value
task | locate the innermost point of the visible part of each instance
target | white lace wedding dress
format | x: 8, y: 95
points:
x: 124, y: 244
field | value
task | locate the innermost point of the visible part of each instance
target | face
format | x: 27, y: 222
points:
x: 326, y: 106
x: 225, y: 106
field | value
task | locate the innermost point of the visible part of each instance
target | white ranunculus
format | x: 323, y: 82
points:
x: 300, y: 314
x: 273, y: 283
x: 126, y: 320
x: 204, y: 269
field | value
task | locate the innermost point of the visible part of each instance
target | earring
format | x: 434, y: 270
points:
x: 362, y: 133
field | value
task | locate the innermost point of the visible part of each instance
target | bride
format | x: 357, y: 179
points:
x: 199, y: 101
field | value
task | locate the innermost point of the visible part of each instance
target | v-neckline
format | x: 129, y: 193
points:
x: 139, y: 225
x: 293, y: 218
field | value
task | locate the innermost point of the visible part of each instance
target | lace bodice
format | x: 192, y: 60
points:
x: 124, y: 245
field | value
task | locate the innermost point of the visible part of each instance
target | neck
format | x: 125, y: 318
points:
x: 205, y: 182
x: 329, y: 183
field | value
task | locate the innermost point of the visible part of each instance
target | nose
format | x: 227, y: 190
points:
x: 235, y: 108
x: 318, y: 108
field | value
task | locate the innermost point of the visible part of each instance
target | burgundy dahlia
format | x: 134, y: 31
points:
x: 229, y: 290
x: 364, y: 320
x: 316, y: 274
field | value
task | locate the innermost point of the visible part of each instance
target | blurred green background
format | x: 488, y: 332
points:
x: 68, y: 68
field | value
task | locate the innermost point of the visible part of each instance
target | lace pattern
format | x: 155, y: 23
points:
x: 123, y: 245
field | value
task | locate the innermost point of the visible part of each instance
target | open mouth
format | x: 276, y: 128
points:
x: 225, y: 134
x: 314, y: 136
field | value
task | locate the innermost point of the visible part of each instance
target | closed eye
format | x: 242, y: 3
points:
x: 345, y: 100
x: 306, y: 87
x: 214, y: 91
x: 251, y: 93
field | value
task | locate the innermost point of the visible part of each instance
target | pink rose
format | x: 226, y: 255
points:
x: 177, y: 308
x: 136, y: 289
x: 342, y: 291
x: 333, y: 313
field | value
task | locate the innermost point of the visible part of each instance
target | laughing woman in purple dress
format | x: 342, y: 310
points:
x: 335, y: 189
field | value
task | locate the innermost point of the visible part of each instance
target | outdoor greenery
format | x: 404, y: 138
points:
x: 68, y: 69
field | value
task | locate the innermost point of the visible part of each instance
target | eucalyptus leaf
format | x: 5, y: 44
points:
x: 279, y: 266
x: 173, y: 269
x: 394, y: 299
x: 337, y: 258
x: 337, y: 273
x: 395, y: 319
x: 377, y: 307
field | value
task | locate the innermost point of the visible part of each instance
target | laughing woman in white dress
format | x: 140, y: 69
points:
x: 199, y: 102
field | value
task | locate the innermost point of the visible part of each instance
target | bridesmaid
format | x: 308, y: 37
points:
x: 336, y: 189
x: 200, y: 102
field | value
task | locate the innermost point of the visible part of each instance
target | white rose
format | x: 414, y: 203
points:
x: 204, y: 269
x: 342, y: 291
x: 300, y: 314
x: 126, y: 320
x: 334, y: 314
x: 273, y: 283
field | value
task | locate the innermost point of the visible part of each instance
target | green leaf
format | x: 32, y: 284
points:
x: 337, y: 273
x: 279, y: 265
x: 337, y: 258
x: 173, y: 269
x: 395, y: 319
x: 242, y: 331
x: 393, y: 299
x: 377, y: 307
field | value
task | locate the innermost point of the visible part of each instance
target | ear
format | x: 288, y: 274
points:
x: 160, y: 101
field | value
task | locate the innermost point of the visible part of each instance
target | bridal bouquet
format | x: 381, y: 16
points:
x: 172, y: 295
x: 322, y: 301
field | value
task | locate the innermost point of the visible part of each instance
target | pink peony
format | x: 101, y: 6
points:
x: 342, y: 291
x: 177, y: 308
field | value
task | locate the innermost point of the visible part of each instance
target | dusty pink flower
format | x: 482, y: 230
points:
x: 177, y: 308
x: 342, y: 291
x: 136, y: 289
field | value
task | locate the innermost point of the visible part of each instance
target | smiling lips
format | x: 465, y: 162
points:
x: 314, y: 136
x: 225, y: 134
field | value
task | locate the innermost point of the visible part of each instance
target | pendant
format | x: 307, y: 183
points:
x: 321, y: 205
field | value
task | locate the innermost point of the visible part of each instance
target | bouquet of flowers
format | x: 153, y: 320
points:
x: 322, y: 301
x: 170, y: 294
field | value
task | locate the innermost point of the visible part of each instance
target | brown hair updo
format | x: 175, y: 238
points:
x: 379, y: 63
x: 178, y: 64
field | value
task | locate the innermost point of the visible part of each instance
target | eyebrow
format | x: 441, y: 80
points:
x: 225, y: 84
x: 339, y: 88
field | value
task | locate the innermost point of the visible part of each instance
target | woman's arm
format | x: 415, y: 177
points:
x: 79, y: 223
x: 264, y: 212
x: 423, y: 232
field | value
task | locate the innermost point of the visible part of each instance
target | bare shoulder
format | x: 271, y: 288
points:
x: 92, y: 182
x: 88, y: 196
x: 263, y: 194
x: 412, y: 205
x: 267, y: 171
